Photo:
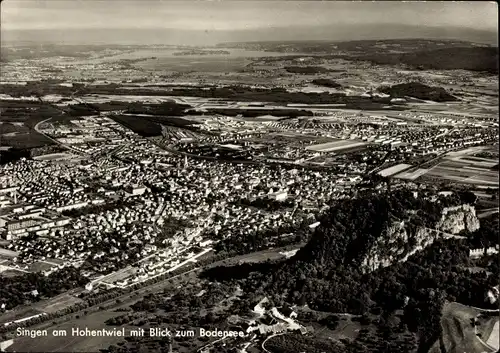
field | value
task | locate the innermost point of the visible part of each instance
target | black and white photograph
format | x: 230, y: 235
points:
x: 232, y: 176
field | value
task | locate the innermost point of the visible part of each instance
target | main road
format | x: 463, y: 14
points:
x: 268, y: 338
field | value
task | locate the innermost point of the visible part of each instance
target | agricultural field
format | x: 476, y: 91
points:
x: 464, y: 171
x: 18, y: 313
x: 30, y: 139
x: 54, y: 156
x: 7, y: 254
x: 13, y: 128
x: 40, y: 266
x: 458, y: 171
x: 57, y: 303
x: 459, y: 332
x: 412, y: 175
x: 494, y: 338
x: 336, y: 146
x: 119, y: 275
x: 9, y: 273
x: 459, y: 167
x: 394, y: 169
x: 488, y: 327
x: 261, y: 256
x: 6, y: 270
x: 19, y: 119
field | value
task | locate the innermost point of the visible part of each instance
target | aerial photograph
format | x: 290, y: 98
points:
x: 240, y: 176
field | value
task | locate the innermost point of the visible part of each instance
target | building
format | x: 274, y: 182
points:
x: 314, y: 225
x: 73, y: 206
x: 8, y: 190
x: 279, y: 196
x: 206, y: 243
x: 475, y: 253
x: 20, y: 224
x: 272, y: 329
x: 136, y: 190
x: 492, y: 295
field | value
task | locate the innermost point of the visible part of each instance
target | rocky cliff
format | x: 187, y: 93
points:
x: 402, y: 239
x: 456, y: 219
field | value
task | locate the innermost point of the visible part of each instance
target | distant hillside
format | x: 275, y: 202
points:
x: 418, y: 53
x: 474, y: 59
x: 381, y: 46
x: 306, y: 70
x: 326, y: 83
x: 418, y: 90
x: 161, y: 109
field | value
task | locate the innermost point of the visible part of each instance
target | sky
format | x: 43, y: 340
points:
x: 239, y: 16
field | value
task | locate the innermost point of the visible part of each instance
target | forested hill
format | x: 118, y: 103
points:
x: 331, y: 272
x: 419, y: 91
x: 479, y: 59
x: 354, y: 260
x: 375, y: 231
